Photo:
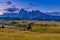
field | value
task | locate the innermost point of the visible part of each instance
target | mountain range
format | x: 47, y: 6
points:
x: 31, y: 15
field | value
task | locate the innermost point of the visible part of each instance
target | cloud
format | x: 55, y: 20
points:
x: 31, y: 5
x: 6, y: 2
x: 11, y: 10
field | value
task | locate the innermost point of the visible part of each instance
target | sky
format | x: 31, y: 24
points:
x: 41, y: 5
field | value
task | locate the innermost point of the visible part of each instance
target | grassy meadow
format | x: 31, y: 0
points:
x: 41, y: 30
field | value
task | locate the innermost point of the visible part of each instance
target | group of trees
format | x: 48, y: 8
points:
x: 28, y: 26
x: 24, y: 25
x: 48, y: 25
x: 2, y: 26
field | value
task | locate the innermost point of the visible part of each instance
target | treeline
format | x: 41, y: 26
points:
x: 26, y: 25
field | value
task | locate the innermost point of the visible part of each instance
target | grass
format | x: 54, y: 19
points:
x: 46, y: 29
x: 49, y: 32
x: 14, y: 34
x: 29, y: 36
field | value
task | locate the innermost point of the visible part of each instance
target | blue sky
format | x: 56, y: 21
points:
x: 42, y: 5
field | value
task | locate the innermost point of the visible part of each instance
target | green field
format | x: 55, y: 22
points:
x: 14, y: 34
x: 51, y: 31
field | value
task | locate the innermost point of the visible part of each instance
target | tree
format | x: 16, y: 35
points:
x: 29, y: 26
x: 3, y: 26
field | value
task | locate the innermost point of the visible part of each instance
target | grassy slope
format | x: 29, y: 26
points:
x: 14, y: 34
x: 38, y: 33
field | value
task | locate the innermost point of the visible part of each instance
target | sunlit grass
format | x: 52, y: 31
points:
x: 14, y: 34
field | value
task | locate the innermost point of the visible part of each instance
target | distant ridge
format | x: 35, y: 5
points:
x: 31, y: 15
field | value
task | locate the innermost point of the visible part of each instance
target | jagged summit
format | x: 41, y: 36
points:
x: 31, y: 15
